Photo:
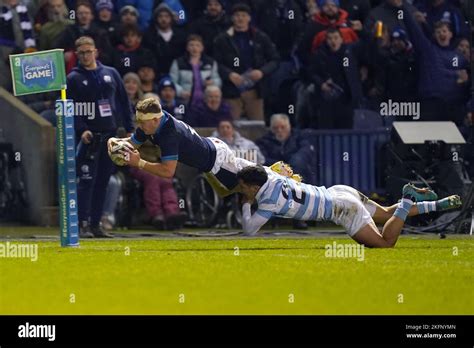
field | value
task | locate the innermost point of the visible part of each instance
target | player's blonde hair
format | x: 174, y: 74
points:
x: 148, y: 109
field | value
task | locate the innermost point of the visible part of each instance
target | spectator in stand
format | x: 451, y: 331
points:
x: 169, y: 101
x: 242, y: 147
x: 211, y: 24
x: 106, y: 21
x: 146, y: 71
x: 58, y: 21
x: 388, y: 13
x: 130, y: 53
x: 185, y: 11
x: 166, y: 42
x: 38, y: 11
x: 282, y: 21
x: 358, y: 10
x: 133, y: 87
x: 144, y: 10
x: 84, y: 26
x: 435, y: 11
x: 329, y: 16
x: 396, y: 75
x: 193, y: 72
x: 16, y: 35
x: 443, y: 83
x: 210, y: 111
x: 128, y: 15
x: 338, y: 84
x: 283, y: 143
x: 256, y: 56
x: 464, y: 47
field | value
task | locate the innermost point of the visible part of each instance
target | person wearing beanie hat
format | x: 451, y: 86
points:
x: 395, y: 73
x: 106, y: 21
x: 129, y: 9
x: 322, y: 3
x: 211, y: 24
x: 104, y: 4
x: 143, y: 9
x: 85, y: 26
x: 169, y: 101
x: 401, y: 35
x: 164, y: 83
x: 163, y: 39
x: 163, y: 7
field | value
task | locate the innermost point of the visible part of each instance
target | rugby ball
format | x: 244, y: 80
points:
x: 117, y: 149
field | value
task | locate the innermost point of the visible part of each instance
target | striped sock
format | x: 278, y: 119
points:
x: 403, y: 208
x: 426, y: 207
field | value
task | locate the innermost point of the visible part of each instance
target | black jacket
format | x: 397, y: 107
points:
x: 358, y: 9
x: 130, y: 60
x: 284, y: 25
x: 209, y: 28
x: 164, y: 52
x: 326, y: 64
x: 266, y: 58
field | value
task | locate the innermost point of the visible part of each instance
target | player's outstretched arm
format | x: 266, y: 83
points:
x: 165, y: 169
x: 252, y: 223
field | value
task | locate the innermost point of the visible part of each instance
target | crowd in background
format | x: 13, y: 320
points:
x: 319, y: 61
x: 309, y: 63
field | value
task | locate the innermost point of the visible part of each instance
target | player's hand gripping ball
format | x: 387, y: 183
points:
x: 118, y: 149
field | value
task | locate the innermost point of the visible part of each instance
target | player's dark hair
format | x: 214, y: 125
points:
x: 253, y: 175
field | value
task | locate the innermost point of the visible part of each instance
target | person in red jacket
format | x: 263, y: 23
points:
x: 330, y: 15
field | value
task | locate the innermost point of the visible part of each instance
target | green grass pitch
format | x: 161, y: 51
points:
x: 421, y: 275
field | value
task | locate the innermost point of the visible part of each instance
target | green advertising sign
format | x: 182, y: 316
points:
x: 38, y: 72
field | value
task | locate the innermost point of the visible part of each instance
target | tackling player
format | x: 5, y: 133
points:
x: 284, y: 197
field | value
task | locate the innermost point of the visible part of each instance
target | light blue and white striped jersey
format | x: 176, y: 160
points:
x: 284, y: 197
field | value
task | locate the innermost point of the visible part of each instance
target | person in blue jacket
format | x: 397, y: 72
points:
x: 101, y: 106
x: 443, y: 80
